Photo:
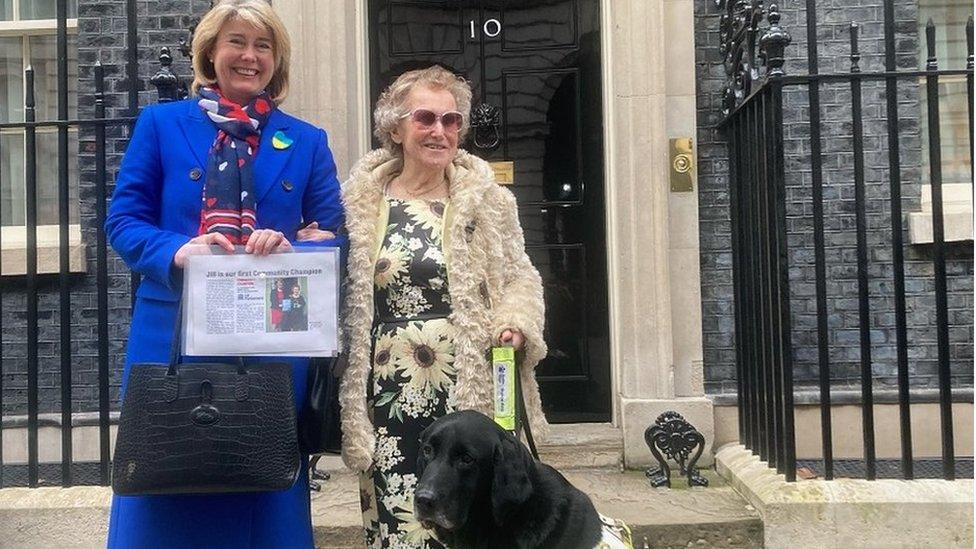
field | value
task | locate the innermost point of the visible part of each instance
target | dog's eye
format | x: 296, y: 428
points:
x: 466, y: 459
x: 427, y: 450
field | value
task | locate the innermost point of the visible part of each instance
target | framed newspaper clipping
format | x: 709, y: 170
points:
x: 283, y: 304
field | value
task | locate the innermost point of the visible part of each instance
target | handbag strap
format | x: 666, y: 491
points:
x: 174, y: 350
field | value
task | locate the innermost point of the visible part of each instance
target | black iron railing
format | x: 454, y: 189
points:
x: 36, y: 286
x: 753, y: 125
x: 98, y: 125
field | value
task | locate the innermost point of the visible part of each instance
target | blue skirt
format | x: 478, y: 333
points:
x: 268, y: 519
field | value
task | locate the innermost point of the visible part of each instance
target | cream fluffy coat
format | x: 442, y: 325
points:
x: 493, y: 286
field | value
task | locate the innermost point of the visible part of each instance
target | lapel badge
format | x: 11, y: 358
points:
x: 280, y: 141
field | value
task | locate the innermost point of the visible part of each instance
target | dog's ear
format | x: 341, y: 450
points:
x: 511, y: 485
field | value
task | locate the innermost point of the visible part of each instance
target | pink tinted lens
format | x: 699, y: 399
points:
x: 451, y: 120
x: 424, y: 117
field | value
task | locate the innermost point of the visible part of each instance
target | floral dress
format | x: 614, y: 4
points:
x: 412, y: 378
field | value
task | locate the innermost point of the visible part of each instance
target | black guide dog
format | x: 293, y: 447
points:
x: 480, y: 487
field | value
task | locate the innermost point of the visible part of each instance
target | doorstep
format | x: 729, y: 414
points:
x: 667, y: 518
x: 716, y: 516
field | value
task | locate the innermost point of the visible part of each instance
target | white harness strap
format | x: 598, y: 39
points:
x: 616, y: 535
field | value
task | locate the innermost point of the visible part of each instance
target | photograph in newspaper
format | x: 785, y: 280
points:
x: 287, y: 310
x: 282, y: 304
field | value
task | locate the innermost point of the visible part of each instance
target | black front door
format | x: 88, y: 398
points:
x: 534, y: 66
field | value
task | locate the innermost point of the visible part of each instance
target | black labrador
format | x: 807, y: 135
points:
x: 480, y: 487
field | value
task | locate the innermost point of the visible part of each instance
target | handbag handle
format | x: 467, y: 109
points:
x: 174, y: 350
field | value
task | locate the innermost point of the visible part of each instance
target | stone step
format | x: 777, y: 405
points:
x: 571, y: 446
x: 676, y: 517
x: 590, y: 455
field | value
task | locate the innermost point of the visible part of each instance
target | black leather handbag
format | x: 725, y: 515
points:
x: 319, y: 430
x: 206, y: 428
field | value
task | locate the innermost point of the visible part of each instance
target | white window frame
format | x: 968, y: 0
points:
x: 957, y: 203
x: 13, y: 238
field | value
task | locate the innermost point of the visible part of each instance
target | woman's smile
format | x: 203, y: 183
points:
x: 243, y: 59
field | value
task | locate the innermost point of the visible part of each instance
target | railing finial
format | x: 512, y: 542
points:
x: 752, y: 54
x: 932, y: 63
x: 773, y: 44
x: 855, y: 53
x: 169, y: 86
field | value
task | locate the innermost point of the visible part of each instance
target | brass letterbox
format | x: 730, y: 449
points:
x: 504, y: 172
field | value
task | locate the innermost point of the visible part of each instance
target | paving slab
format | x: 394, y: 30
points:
x: 677, y: 517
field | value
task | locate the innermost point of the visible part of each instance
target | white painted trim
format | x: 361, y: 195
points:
x: 35, y: 27
x: 957, y: 215
x: 13, y: 244
x: 609, y: 126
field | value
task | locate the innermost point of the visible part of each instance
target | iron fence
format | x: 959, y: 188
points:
x: 753, y: 125
x: 34, y: 283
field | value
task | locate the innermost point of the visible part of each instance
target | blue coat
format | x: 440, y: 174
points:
x: 154, y: 211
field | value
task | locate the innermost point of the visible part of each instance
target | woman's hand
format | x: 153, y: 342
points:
x: 207, y: 239
x: 265, y: 241
x: 312, y: 233
x: 513, y: 338
x: 261, y: 242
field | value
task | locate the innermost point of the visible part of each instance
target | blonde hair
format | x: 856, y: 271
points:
x: 259, y: 14
x: 390, y: 105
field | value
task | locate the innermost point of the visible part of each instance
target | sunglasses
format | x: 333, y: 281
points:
x: 451, y: 120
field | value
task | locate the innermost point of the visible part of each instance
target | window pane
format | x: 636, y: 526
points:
x: 43, y: 57
x: 949, y: 17
x: 45, y: 9
x: 6, y: 10
x: 953, y: 130
x: 12, y: 179
x: 47, y: 178
x: 11, y: 80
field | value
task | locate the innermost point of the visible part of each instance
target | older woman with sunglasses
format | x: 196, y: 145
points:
x: 438, y: 274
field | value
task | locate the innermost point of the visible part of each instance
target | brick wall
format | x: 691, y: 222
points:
x: 101, y: 37
x: 840, y: 238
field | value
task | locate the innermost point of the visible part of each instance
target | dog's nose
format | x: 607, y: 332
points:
x: 423, y: 501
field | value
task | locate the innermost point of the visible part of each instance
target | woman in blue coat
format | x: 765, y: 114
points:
x: 225, y: 168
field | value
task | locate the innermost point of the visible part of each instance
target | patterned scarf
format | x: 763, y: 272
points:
x: 228, y: 192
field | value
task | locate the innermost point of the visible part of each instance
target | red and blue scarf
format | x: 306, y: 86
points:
x: 228, y: 191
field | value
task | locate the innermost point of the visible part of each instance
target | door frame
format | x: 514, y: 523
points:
x: 359, y: 88
x: 652, y: 245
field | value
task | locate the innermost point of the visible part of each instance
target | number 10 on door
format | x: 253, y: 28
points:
x: 491, y: 28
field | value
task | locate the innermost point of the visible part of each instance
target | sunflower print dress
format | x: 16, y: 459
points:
x: 412, y: 379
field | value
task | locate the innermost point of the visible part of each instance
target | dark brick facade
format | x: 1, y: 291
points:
x: 102, y: 38
x: 839, y: 215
